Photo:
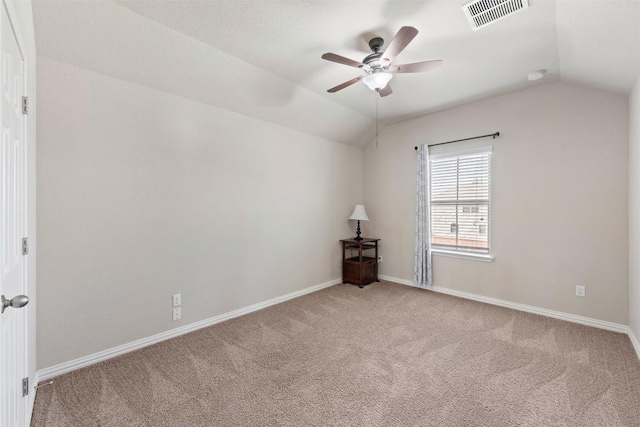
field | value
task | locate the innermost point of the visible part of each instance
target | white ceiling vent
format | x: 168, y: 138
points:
x: 481, y: 13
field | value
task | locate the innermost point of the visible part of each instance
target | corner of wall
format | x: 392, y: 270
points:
x: 634, y: 215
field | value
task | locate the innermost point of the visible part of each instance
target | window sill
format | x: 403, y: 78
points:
x: 464, y: 255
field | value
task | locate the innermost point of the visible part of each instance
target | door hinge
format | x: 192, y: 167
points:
x: 25, y: 386
x: 25, y: 246
x: 25, y: 105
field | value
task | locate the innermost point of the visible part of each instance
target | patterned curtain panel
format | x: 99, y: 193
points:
x: 422, y: 274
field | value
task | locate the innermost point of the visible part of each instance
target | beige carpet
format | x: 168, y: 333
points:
x: 386, y: 355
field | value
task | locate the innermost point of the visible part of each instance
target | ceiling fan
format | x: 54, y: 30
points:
x: 377, y: 66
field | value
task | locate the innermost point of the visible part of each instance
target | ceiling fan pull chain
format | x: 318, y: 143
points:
x: 376, y: 96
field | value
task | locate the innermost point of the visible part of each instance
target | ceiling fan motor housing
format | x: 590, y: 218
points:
x: 372, y: 60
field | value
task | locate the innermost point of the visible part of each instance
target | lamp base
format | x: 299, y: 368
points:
x: 358, y: 232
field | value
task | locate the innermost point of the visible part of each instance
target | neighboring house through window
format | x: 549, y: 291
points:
x: 460, y: 201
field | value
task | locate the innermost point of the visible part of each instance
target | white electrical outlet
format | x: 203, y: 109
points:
x: 177, y: 300
x: 580, y: 291
x: 380, y: 259
x: 177, y: 313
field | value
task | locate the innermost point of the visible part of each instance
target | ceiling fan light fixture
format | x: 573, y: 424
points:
x: 377, y: 80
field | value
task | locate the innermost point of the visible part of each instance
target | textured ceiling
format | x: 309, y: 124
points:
x: 599, y: 43
x: 287, y: 38
x: 262, y: 58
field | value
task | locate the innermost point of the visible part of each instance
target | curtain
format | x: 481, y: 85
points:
x: 422, y: 273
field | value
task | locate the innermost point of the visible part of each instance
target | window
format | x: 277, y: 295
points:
x: 482, y: 229
x: 460, y: 201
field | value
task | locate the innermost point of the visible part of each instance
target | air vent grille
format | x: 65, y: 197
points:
x: 481, y: 13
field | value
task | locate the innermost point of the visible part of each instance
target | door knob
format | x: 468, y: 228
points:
x: 15, y: 302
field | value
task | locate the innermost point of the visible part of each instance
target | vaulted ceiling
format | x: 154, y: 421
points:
x: 262, y: 58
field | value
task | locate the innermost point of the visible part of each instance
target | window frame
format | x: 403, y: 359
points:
x: 458, y: 252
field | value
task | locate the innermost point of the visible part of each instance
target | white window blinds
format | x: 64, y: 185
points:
x: 460, y: 201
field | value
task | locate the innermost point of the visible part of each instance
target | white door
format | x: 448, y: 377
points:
x: 13, y: 363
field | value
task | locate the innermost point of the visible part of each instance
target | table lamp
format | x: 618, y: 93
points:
x: 359, y: 214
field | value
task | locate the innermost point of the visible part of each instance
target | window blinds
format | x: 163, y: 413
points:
x: 460, y: 202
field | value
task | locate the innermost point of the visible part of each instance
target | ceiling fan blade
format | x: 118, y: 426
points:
x: 417, y: 67
x: 385, y: 91
x: 399, y: 42
x: 342, y: 60
x: 345, y: 84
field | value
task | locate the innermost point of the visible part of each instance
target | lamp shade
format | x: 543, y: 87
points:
x: 377, y: 80
x: 359, y: 213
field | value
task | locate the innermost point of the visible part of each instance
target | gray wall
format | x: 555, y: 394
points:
x: 559, y: 189
x: 142, y: 194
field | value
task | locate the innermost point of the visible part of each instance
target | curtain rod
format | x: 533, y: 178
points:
x: 493, y: 135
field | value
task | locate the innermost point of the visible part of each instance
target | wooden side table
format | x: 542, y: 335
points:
x: 361, y: 269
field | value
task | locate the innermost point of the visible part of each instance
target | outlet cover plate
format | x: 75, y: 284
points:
x: 580, y: 291
x: 177, y: 313
x: 177, y: 300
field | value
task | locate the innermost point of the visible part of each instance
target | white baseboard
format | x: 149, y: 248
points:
x: 610, y: 326
x: 63, y: 368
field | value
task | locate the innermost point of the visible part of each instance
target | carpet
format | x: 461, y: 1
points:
x: 385, y: 355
